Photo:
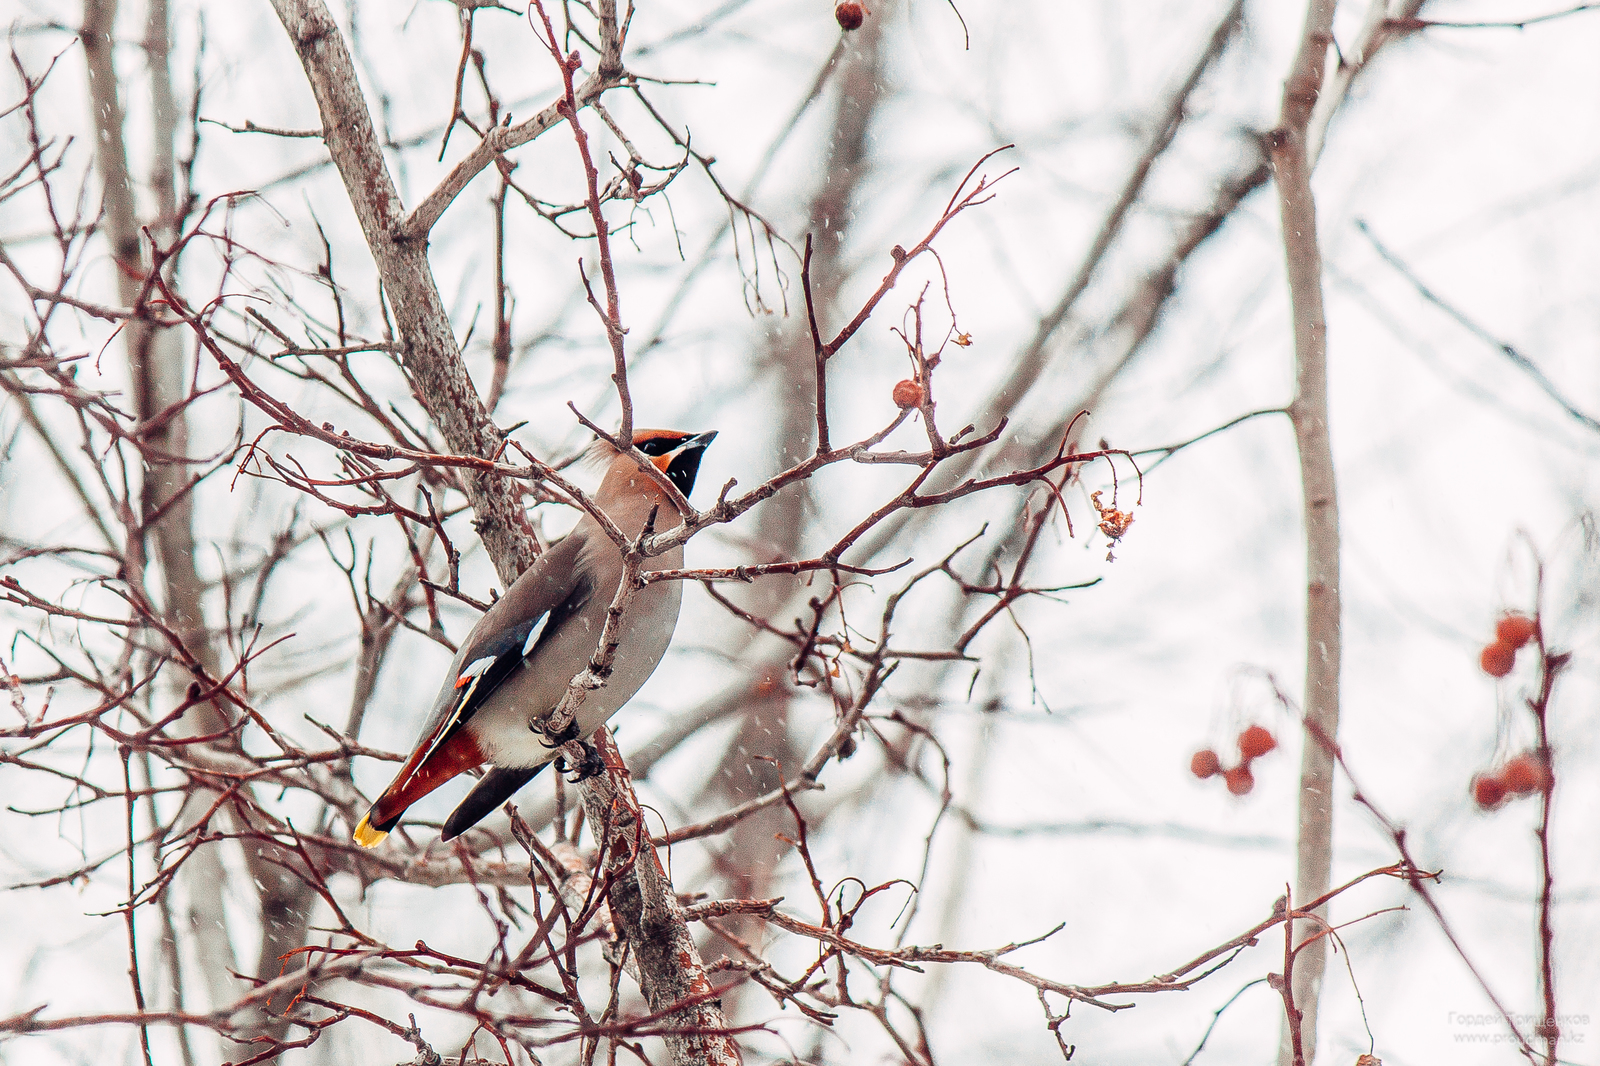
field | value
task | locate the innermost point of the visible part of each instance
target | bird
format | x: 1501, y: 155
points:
x: 514, y: 667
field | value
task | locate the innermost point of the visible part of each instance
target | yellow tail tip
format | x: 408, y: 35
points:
x: 367, y: 836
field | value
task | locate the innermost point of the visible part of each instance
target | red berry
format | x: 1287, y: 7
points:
x: 907, y: 393
x: 1525, y: 773
x: 1515, y: 629
x: 1240, y: 779
x: 1497, y: 659
x: 1255, y: 742
x: 850, y: 14
x: 1205, y: 764
x: 1488, y: 790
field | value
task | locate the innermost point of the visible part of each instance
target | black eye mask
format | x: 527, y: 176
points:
x: 660, y: 445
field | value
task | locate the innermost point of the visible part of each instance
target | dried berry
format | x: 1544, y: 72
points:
x: 1240, y: 779
x: 1515, y: 630
x: 850, y: 15
x: 1255, y: 742
x: 1497, y: 659
x: 1205, y: 764
x: 1488, y: 790
x: 907, y: 393
x: 1525, y: 773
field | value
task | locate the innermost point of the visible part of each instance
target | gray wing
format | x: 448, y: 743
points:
x: 547, y: 592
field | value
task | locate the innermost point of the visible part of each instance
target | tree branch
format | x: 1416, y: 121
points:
x: 1308, y: 413
x: 430, y: 353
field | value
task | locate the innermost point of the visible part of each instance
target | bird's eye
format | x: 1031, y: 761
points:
x: 658, y: 445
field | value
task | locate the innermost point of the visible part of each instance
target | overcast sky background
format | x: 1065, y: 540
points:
x: 1468, y: 152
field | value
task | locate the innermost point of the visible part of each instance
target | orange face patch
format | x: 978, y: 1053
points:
x: 642, y: 435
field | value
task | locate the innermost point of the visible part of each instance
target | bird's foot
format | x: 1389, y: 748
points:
x: 592, y: 765
x: 555, y: 740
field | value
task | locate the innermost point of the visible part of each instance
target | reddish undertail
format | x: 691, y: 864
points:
x: 416, y: 779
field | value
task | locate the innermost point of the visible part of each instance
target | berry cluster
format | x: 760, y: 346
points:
x: 1511, y: 632
x: 1254, y: 742
x: 1523, y: 775
x: 1527, y: 774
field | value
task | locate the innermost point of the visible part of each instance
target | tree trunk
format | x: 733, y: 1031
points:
x: 1309, y: 415
x: 159, y: 375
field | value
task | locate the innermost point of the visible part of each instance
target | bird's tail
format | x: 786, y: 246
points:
x: 497, y: 786
x: 367, y: 836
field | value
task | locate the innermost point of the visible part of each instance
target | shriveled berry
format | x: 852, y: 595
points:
x: 1497, y: 659
x: 1205, y: 764
x: 1255, y: 742
x: 908, y: 393
x: 1515, y: 629
x: 1525, y: 773
x: 1240, y: 779
x: 850, y: 14
x: 1488, y: 790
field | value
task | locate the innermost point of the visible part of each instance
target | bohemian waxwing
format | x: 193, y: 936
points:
x: 514, y: 666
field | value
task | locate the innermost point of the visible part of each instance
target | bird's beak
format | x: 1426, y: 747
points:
x: 697, y: 441
x: 689, y: 444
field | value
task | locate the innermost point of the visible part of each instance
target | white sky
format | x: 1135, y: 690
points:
x: 1470, y: 153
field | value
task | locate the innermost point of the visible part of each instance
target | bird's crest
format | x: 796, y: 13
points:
x: 600, y: 452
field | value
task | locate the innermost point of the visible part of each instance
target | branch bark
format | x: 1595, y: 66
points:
x: 1308, y: 413
x: 1378, y: 27
x: 430, y: 354
x: 1311, y: 97
x: 646, y: 911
